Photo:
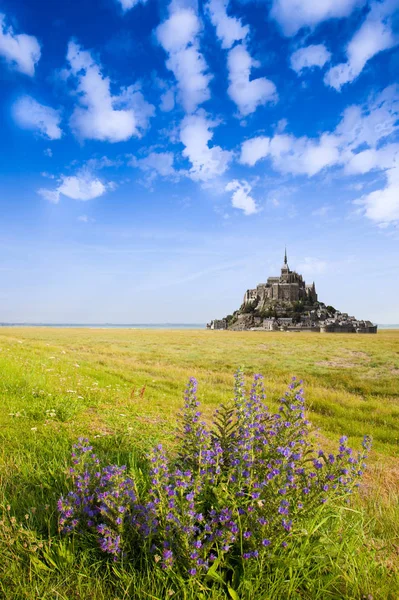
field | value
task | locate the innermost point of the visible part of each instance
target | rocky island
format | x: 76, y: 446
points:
x: 286, y: 302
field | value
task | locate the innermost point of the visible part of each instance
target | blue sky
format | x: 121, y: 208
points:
x: 156, y: 157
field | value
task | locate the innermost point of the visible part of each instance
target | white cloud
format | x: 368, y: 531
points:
x: 128, y: 4
x: 247, y: 93
x: 254, y: 149
x: 207, y: 162
x: 156, y: 163
x: 322, y: 211
x: 83, y: 218
x: 179, y: 36
x: 82, y: 186
x: 95, y: 164
x: 371, y: 123
x: 375, y: 35
x: 50, y: 195
x: 315, y: 55
x: 167, y: 100
x: 20, y: 51
x: 31, y: 115
x: 293, y: 155
x: 100, y: 115
x: 367, y: 126
x: 372, y: 159
x: 292, y: 15
x: 241, y: 197
x: 48, y: 152
x: 228, y: 29
x: 364, y: 141
x: 131, y: 98
x: 303, y: 155
x: 382, y: 206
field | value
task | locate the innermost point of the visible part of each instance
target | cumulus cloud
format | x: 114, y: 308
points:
x: 382, y: 206
x: 29, y: 114
x: 372, y: 159
x: 375, y: 35
x: 241, y: 197
x: 100, y: 115
x: 154, y: 164
x: 292, y: 15
x: 315, y: 55
x: 247, y: 93
x: 207, y: 162
x: 95, y: 164
x: 228, y: 29
x: 359, y: 142
x: 254, y: 149
x: 292, y: 155
x: 179, y: 36
x: 20, y: 51
x: 167, y: 100
x: 370, y: 124
x: 82, y: 186
x: 128, y: 4
x: 365, y: 140
x: 131, y: 98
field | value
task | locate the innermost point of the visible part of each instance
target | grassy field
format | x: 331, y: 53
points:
x: 123, y: 388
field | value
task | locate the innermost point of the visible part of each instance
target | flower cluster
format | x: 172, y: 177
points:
x: 239, y: 491
x: 100, y: 501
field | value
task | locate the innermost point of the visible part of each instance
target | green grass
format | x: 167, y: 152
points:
x: 123, y: 388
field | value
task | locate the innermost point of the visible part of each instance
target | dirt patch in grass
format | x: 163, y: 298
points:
x: 336, y: 363
x: 346, y: 361
x: 95, y: 424
x: 359, y: 354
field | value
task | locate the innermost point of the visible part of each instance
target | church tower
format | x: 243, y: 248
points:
x: 285, y: 270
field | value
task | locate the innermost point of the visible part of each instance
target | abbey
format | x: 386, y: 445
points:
x: 288, y: 287
x: 288, y: 303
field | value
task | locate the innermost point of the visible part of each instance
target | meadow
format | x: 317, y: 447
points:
x: 122, y: 389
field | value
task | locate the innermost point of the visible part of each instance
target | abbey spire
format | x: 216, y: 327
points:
x: 285, y: 268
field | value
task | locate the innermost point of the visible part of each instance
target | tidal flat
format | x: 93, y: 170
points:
x: 123, y: 389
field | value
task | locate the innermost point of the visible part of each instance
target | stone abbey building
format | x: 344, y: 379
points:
x: 288, y: 303
x: 288, y: 287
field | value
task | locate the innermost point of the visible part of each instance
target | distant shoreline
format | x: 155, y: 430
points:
x: 135, y: 325
x: 110, y: 325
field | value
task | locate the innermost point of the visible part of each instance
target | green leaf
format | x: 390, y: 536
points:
x: 212, y: 574
x: 233, y: 593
